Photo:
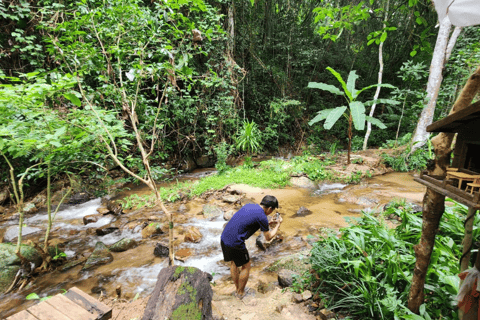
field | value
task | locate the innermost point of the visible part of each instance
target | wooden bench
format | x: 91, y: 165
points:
x: 73, y: 305
x: 472, y: 186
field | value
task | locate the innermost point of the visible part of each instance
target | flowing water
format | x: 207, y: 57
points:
x: 136, y: 270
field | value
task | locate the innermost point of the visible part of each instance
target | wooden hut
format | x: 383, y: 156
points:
x: 462, y: 180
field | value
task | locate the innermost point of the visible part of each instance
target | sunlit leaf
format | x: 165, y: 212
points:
x: 333, y: 116
x: 357, y: 110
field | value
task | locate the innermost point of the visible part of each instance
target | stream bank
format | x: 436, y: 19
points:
x: 135, y: 271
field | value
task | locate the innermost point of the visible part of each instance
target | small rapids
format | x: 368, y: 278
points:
x: 136, y: 270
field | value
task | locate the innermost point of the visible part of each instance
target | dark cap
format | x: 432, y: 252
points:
x: 269, y: 202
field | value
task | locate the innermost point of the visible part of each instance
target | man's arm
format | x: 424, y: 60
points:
x: 270, y: 234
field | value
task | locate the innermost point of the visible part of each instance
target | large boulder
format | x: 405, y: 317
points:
x: 10, y: 263
x: 211, y: 211
x: 303, y: 182
x: 123, y: 245
x: 180, y: 293
x: 100, y: 255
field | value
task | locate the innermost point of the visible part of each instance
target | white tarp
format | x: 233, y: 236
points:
x: 462, y: 13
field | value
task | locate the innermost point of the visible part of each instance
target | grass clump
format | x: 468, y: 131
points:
x: 366, y: 273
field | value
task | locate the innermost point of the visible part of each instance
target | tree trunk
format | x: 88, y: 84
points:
x: 433, y: 208
x: 433, y: 202
x: 467, y: 240
x: 434, y: 81
x: 377, y: 91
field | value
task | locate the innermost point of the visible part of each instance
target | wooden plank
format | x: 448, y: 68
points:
x: 92, y: 305
x: 44, y: 311
x: 447, y: 193
x: 22, y: 315
x: 69, y: 308
x: 452, y: 122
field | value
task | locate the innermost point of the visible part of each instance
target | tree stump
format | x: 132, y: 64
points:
x: 180, y: 293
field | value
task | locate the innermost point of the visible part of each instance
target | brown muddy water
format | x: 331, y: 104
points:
x: 135, y: 270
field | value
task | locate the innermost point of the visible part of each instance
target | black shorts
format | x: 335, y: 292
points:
x: 239, y: 256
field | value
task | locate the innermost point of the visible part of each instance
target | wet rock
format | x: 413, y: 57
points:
x: 193, y: 235
x: 188, y: 165
x: 263, y: 244
x: 100, y: 255
x: 4, y: 194
x: 367, y: 202
x: 12, y: 233
x: 231, y: 198
x: 326, y: 314
x: 161, y: 250
x: 10, y: 262
x: 265, y: 287
x: 307, y: 294
x: 30, y: 208
x: 205, y: 162
x: 91, y: 218
x: 303, y: 182
x: 302, y: 212
x: 285, y: 277
x: 114, y: 207
x: 416, y: 208
x: 228, y: 215
x: 39, y: 200
x: 103, y: 210
x: 183, y: 254
x: 297, y: 298
x: 153, y: 229
x: 182, y: 208
x: 71, y: 264
x: 105, y: 230
x: 180, y: 293
x: 78, y: 198
x: 211, y: 211
x: 123, y: 245
x: 99, y: 290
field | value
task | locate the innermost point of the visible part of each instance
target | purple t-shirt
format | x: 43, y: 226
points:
x: 243, y: 224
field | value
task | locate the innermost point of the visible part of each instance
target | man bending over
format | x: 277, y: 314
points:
x: 243, y: 224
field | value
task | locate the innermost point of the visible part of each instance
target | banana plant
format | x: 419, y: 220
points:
x: 354, y: 111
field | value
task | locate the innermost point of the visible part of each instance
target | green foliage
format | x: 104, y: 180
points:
x: 403, y: 162
x: 367, y: 271
x: 249, y: 137
x: 222, y: 150
x: 355, y: 110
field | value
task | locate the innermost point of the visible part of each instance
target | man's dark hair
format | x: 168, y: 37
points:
x: 269, y: 202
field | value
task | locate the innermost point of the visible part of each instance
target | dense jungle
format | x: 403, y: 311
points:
x: 154, y: 121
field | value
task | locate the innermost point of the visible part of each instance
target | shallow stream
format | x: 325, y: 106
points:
x: 136, y: 270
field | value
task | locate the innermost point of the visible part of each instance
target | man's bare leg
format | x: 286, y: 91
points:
x: 234, y: 273
x: 243, y: 278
